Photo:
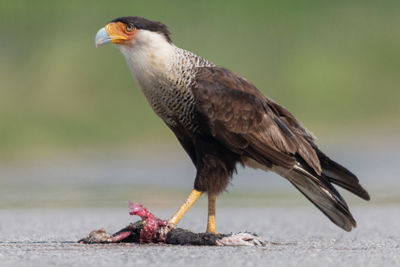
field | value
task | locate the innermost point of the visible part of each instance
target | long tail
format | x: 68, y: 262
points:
x: 341, y: 176
x: 319, y: 190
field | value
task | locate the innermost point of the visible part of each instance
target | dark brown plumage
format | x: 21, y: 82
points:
x: 223, y: 120
x: 245, y: 124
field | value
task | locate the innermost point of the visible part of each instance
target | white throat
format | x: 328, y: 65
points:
x: 149, y: 56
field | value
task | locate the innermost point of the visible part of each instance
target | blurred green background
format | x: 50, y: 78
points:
x: 334, y: 64
x: 74, y: 125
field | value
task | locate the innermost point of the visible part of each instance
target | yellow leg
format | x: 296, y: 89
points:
x: 211, y: 214
x: 194, y: 195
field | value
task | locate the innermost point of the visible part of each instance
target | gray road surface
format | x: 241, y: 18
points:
x: 301, y: 236
x: 40, y: 218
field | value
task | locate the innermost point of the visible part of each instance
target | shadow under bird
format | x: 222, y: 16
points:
x: 222, y: 120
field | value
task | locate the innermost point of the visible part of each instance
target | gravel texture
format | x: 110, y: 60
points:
x: 298, y: 236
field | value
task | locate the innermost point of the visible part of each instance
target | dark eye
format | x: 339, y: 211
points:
x: 129, y: 27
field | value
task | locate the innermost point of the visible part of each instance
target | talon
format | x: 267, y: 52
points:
x: 212, y: 232
x: 170, y: 226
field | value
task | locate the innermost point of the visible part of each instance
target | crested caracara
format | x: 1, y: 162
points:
x: 221, y: 119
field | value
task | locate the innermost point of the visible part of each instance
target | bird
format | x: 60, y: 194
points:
x: 223, y: 121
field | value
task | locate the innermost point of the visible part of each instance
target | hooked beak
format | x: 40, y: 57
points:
x: 102, y: 37
x: 113, y: 32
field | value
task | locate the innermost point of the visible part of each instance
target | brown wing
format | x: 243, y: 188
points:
x: 246, y: 121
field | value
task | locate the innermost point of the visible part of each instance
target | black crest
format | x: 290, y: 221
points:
x: 145, y: 24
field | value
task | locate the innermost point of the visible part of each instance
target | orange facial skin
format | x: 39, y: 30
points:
x: 119, y: 33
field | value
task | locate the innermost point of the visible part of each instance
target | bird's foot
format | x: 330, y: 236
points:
x: 150, y: 229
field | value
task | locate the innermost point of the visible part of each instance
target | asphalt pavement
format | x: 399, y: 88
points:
x: 296, y: 236
x: 46, y: 206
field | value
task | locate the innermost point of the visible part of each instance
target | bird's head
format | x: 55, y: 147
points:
x: 131, y: 31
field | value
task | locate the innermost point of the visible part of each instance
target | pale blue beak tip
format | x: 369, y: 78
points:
x: 102, y: 37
